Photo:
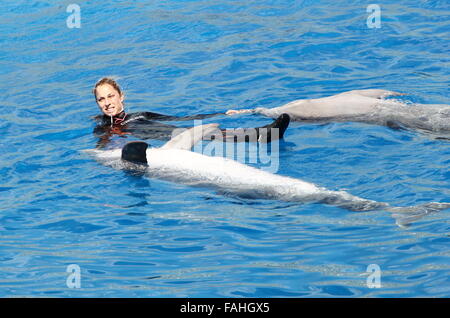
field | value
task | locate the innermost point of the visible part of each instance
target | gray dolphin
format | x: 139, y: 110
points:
x: 367, y: 106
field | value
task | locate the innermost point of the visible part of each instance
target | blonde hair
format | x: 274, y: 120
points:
x: 107, y: 80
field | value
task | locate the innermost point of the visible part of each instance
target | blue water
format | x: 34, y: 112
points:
x: 136, y: 237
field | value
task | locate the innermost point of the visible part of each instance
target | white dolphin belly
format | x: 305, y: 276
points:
x: 231, y: 176
x: 183, y: 166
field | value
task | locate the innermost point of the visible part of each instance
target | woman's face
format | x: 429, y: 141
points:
x: 109, y: 100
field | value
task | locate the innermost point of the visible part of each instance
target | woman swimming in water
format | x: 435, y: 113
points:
x: 147, y: 125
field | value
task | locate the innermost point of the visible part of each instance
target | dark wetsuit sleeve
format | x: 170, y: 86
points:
x: 156, y: 116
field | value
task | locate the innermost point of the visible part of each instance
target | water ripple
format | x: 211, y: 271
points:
x: 135, y: 237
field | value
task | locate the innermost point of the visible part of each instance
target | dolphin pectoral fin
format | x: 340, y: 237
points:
x: 135, y: 152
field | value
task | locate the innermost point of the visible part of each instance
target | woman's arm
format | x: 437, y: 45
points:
x: 156, y: 116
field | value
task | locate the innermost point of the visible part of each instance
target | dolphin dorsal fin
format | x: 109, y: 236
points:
x: 135, y: 151
x: 188, y: 138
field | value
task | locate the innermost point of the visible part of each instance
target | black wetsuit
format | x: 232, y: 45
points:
x: 148, y: 125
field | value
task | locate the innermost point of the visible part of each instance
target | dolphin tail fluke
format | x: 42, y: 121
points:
x: 264, y: 134
x: 404, y: 216
x: 135, y: 152
x: 281, y: 124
